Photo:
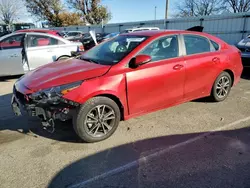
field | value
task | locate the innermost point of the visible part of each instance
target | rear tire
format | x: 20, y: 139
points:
x: 97, y: 119
x: 222, y: 87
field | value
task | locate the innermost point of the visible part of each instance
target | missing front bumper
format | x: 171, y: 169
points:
x: 48, y: 114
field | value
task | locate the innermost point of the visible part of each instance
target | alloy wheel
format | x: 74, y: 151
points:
x: 100, y: 120
x: 223, y: 87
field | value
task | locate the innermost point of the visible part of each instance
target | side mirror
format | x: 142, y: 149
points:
x: 139, y: 60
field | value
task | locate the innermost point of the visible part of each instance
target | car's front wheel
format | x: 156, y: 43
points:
x: 97, y: 119
x: 221, y: 87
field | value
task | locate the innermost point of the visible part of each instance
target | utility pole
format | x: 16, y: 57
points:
x: 166, y: 11
x: 155, y: 12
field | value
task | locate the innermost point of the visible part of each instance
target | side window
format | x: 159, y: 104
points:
x: 40, y: 40
x: 163, y: 48
x: 12, y: 42
x: 215, y: 45
x: 196, y: 44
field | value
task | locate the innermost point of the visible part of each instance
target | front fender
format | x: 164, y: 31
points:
x: 104, y: 85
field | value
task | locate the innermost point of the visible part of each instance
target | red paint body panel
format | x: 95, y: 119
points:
x: 201, y: 72
x: 62, y: 72
x: 144, y: 89
x: 154, y: 85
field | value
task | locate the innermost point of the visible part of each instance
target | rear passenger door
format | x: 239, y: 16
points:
x: 201, y: 59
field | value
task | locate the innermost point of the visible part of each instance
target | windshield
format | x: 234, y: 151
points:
x: 114, y: 50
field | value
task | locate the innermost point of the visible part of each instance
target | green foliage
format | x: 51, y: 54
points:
x: 68, y: 18
x: 92, y: 10
x: 46, y: 10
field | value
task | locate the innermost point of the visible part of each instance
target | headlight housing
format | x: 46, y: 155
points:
x: 54, y: 94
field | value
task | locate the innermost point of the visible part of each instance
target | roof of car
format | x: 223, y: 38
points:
x: 36, y: 30
x: 150, y: 32
x: 134, y: 28
x: 158, y: 32
x: 36, y: 33
x: 75, y: 31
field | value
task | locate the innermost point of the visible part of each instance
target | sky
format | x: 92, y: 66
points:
x: 137, y: 10
x: 129, y: 10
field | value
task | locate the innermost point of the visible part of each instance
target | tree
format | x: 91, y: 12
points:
x: 48, y: 10
x: 238, y: 5
x: 9, y: 10
x: 68, y: 18
x: 199, y: 8
x: 93, y: 12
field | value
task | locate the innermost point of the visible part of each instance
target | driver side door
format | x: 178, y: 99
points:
x: 159, y: 83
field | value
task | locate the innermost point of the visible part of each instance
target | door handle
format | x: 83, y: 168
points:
x: 216, y: 60
x: 178, y: 67
x: 49, y: 50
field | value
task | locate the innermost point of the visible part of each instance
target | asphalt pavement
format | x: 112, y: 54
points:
x: 196, y: 144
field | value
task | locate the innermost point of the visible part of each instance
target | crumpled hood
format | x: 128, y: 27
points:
x: 61, y: 72
x: 245, y: 42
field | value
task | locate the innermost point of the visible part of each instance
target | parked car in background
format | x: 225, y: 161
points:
x: 52, y: 32
x: 63, y: 33
x: 129, y: 75
x: 74, y: 35
x: 140, y: 29
x: 244, y: 47
x: 111, y: 35
x: 88, y: 41
x: 41, y: 49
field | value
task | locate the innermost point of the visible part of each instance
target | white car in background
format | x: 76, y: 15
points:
x: 140, y: 29
x: 40, y: 49
x: 74, y: 35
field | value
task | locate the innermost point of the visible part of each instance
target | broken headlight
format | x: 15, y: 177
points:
x: 54, y: 94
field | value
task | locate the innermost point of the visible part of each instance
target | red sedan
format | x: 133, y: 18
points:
x: 130, y: 75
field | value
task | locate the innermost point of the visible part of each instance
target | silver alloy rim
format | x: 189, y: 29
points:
x: 222, y: 87
x: 100, y: 120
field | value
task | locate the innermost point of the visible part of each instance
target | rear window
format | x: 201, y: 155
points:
x: 196, y: 44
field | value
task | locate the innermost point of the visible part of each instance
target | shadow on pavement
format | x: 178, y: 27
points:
x: 220, y: 159
x: 31, y: 126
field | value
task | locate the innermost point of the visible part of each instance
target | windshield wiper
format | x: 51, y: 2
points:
x: 89, y: 60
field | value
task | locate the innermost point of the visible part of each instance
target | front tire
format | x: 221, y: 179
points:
x: 222, y: 87
x: 97, y: 119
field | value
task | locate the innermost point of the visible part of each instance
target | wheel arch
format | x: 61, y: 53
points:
x: 116, y: 100
x: 230, y: 72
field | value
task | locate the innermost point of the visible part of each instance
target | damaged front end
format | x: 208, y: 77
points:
x: 49, y: 104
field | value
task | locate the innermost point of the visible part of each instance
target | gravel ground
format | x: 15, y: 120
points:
x: 196, y: 144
